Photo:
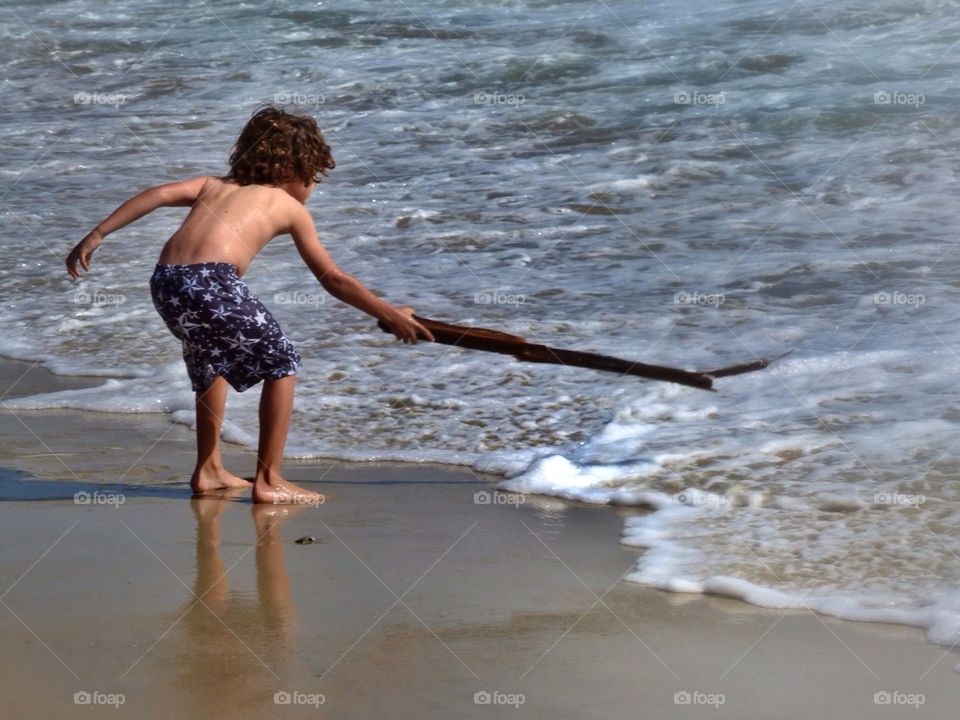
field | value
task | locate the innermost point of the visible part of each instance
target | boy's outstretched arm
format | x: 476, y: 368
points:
x: 177, y: 194
x: 347, y: 288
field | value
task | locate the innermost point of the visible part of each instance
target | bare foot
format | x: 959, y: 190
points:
x: 205, y: 481
x: 280, y: 491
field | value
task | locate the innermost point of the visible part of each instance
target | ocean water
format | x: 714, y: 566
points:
x: 663, y: 182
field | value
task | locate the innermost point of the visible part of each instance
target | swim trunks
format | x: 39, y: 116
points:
x: 224, y: 328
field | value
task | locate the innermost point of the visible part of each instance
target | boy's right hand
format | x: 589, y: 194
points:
x: 405, y: 327
x: 82, y: 252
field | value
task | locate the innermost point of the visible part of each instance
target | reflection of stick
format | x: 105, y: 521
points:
x: 477, y: 338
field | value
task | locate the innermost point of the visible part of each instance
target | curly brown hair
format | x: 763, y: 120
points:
x: 276, y: 147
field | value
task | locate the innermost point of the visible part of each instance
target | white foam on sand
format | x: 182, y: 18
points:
x: 680, y: 541
x: 671, y: 564
x: 817, y: 515
x: 676, y: 537
x: 118, y: 395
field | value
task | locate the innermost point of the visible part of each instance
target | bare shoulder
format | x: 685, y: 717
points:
x: 183, y: 192
x: 296, y: 217
x: 207, y: 181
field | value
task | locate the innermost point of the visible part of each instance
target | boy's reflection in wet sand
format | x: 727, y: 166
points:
x: 234, y: 647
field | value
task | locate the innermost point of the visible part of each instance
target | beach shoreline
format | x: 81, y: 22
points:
x: 422, y: 596
x: 680, y: 185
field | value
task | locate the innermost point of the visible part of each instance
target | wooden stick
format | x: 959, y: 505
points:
x: 745, y: 367
x: 477, y: 338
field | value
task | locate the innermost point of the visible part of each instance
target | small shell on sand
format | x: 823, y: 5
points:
x: 306, y: 540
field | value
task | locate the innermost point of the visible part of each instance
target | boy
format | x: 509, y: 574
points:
x: 228, y: 336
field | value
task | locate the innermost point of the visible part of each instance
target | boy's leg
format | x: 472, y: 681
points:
x: 276, y: 407
x: 209, y: 473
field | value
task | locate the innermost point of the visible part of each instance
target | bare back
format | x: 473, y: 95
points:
x: 229, y: 223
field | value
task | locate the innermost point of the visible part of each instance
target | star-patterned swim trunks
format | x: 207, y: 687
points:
x: 224, y: 328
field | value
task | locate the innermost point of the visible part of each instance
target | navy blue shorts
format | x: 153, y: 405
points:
x: 225, y: 330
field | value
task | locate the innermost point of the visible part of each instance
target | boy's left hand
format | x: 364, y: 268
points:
x: 82, y: 253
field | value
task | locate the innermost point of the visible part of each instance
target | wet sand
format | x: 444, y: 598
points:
x: 414, y: 598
